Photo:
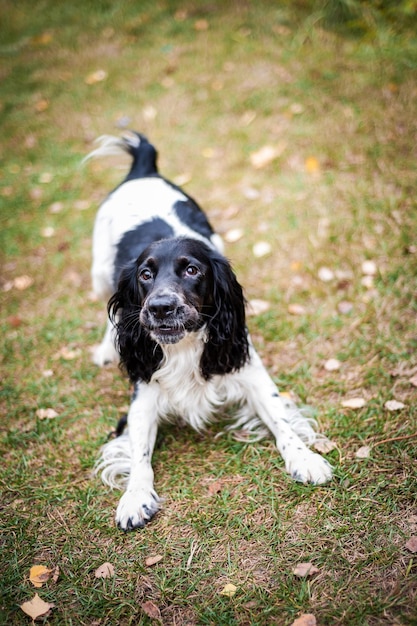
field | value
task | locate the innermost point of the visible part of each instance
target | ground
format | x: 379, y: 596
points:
x: 293, y: 124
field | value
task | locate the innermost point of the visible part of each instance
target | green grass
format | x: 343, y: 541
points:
x: 331, y: 82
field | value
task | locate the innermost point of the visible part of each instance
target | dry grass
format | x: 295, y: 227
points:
x: 212, y: 83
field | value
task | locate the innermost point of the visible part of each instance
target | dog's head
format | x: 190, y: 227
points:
x: 178, y: 286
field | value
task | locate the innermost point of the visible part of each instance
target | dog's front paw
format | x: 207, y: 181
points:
x: 309, y: 467
x: 136, y: 509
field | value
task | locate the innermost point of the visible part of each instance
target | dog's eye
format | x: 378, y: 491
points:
x: 192, y: 270
x: 145, y: 275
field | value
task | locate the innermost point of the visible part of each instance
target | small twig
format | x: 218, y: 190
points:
x: 402, y: 438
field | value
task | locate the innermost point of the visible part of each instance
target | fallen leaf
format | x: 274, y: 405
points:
x: 15, y: 321
x: 48, y: 232
x: 363, y: 452
x: 265, y: 155
x: 256, y: 307
x: 215, y: 487
x: 104, y: 571
x: 95, y: 77
x: 38, y: 575
x: 46, y: 414
x: 234, y: 235
x: 332, y: 365
x: 296, y: 309
x: 306, y: 619
x: 67, y: 354
x: 149, y: 112
x: 151, y: 610
x: 344, y: 307
x: 325, y: 274
x: 354, y: 403
x: 228, y: 590
x: 153, y: 560
x: 182, y: 179
x: 23, y: 282
x: 324, y: 445
x: 412, y: 544
x: 394, y: 405
x: 413, y: 381
x: 303, y: 570
x: 36, y: 607
x: 201, y: 25
x: 41, y: 105
x: 312, y: 165
x: 369, y: 268
x: 46, y: 178
x: 261, y: 248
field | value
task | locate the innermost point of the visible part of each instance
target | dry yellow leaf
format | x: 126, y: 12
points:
x: 312, y: 165
x: 36, y: 607
x: 228, y: 590
x: 265, y: 155
x: 38, y: 575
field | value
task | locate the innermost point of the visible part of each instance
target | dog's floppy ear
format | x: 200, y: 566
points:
x: 227, y: 347
x: 139, y: 354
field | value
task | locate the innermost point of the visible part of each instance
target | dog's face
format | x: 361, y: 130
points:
x: 174, y: 281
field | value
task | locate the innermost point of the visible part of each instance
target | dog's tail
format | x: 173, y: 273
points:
x: 143, y: 153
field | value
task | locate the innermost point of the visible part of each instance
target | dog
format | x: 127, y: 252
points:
x: 177, y: 326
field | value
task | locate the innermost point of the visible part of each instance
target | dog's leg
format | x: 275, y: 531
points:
x: 106, y: 352
x: 140, y: 502
x: 263, y: 398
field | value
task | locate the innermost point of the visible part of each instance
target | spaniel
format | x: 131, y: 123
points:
x: 177, y: 326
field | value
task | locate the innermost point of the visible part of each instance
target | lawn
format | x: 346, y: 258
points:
x: 293, y: 124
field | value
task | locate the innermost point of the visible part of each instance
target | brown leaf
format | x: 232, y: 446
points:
x: 306, y: 619
x: 215, y: 487
x: 413, y: 381
x: 104, y: 571
x: 303, y: 570
x: 36, y: 607
x: 151, y: 610
x: 153, y: 560
x: 412, y: 544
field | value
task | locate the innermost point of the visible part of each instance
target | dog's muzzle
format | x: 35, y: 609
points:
x: 168, y: 318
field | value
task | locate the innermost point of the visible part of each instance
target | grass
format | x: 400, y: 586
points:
x: 211, y: 83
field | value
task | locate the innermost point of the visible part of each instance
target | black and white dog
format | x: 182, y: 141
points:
x: 177, y: 324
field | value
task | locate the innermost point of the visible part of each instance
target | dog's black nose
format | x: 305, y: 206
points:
x: 163, y: 306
